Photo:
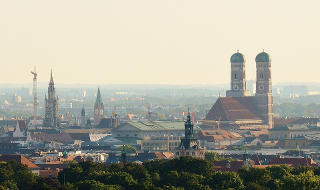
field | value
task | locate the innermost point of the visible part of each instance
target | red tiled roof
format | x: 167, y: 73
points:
x: 293, y: 161
x: 300, y: 120
x: 216, y: 135
x: 233, y: 109
x: 228, y: 165
x: 164, y: 155
x: 18, y: 158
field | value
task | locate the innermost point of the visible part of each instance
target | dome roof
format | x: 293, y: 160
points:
x: 263, y: 57
x: 237, y: 58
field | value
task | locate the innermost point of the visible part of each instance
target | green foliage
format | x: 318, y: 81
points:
x: 225, y: 180
x: 96, y: 185
x: 213, y: 156
x: 178, y: 174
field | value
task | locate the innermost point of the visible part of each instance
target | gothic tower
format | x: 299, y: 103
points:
x: 98, y: 109
x: 263, y: 95
x: 238, y: 76
x: 83, y: 118
x: 51, y: 107
x: 189, y: 145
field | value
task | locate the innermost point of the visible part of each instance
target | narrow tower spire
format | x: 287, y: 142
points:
x: 51, y: 78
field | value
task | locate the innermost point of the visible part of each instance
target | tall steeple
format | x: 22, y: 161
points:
x: 51, y: 78
x: 98, y: 109
x: 189, y: 146
x: 99, y: 99
x: 188, y: 127
x: 83, y: 117
x: 51, y: 105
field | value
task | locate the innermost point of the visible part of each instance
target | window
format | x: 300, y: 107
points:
x: 235, y: 76
x: 261, y: 75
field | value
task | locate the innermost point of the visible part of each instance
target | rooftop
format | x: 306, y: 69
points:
x: 233, y: 109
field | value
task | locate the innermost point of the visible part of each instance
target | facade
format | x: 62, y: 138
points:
x: 189, y: 145
x: 240, y: 110
x: 98, y: 109
x: 162, y: 143
x: 51, y: 106
x: 142, y: 130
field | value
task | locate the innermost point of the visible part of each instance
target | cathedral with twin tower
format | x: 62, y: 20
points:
x: 239, y: 109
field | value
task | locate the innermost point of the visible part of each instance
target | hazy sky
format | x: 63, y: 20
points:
x: 156, y: 41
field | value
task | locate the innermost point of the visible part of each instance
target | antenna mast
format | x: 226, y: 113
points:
x: 35, y: 96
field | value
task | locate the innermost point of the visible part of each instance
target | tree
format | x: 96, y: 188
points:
x: 254, y: 175
x: 303, y: 181
x: 225, y: 180
x: 95, y: 185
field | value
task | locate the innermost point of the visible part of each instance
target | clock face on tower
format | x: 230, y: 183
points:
x: 261, y: 87
x: 235, y: 87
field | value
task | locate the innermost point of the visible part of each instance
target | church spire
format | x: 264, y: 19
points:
x: 99, y: 99
x: 51, y: 78
x: 188, y: 127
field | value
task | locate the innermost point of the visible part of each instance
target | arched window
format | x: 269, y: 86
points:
x: 235, y: 76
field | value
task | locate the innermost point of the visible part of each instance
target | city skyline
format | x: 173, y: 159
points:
x: 150, y: 42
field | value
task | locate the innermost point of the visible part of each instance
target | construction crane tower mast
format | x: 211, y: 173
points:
x: 35, y: 97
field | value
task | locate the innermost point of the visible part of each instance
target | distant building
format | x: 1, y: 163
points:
x: 141, y: 130
x: 295, y: 128
x: 83, y: 118
x: 189, y: 145
x: 22, y: 160
x: 20, y: 130
x: 238, y: 109
x: 161, y: 143
x: 98, y: 109
x: 218, y: 138
x: 51, y: 106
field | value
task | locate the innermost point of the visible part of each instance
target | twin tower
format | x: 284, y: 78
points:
x: 238, y: 75
x: 262, y: 101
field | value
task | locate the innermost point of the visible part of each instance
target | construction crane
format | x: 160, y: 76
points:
x: 35, y: 97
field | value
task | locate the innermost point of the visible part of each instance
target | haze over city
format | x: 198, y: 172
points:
x: 156, y: 42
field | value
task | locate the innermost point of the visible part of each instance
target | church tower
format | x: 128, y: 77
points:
x: 189, y: 145
x: 83, y: 118
x: 98, y: 109
x: 51, y: 107
x: 264, y: 98
x: 238, y: 76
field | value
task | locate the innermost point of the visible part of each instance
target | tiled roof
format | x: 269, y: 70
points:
x: 18, y: 158
x: 226, y: 165
x: 217, y: 135
x: 233, y: 109
x: 158, y: 126
x: 164, y: 155
x: 281, y: 122
x: 293, y: 161
x: 49, y: 137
